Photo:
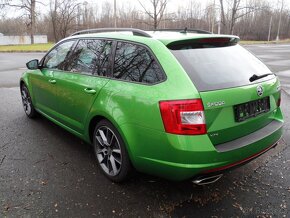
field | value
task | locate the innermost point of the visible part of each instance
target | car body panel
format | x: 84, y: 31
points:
x: 133, y: 108
x: 221, y: 124
x: 74, y: 103
x: 181, y: 157
x: 44, y: 91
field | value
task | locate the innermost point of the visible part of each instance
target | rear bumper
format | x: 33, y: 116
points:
x: 184, y: 157
x: 212, y: 175
x: 251, y: 138
x: 240, y: 162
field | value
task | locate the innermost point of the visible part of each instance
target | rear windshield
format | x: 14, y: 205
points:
x: 213, y: 67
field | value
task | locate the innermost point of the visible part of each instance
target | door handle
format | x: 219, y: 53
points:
x: 90, y: 91
x: 52, y: 81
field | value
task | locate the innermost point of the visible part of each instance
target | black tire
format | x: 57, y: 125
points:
x: 111, y: 153
x: 27, y: 102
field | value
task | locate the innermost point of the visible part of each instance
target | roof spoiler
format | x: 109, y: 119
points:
x: 219, y: 41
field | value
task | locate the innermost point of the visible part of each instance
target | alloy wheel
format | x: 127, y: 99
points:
x: 26, y: 100
x: 108, y: 151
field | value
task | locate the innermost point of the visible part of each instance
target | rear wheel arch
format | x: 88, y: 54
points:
x: 93, y: 122
x: 96, y: 119
x: 111, y: 153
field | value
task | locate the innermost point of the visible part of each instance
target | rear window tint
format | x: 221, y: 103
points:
x: 213, y: 67
x: 135, y: 63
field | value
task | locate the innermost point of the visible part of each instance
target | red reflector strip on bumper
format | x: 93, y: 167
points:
x: 241, y: 161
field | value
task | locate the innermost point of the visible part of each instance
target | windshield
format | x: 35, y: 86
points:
x: 212, y: 68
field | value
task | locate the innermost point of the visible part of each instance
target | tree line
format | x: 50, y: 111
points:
x: 249, y: 19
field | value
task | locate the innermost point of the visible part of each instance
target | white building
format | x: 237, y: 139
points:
x: 21, y: 40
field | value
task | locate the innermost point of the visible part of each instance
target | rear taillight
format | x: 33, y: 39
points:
x: 184, y: 117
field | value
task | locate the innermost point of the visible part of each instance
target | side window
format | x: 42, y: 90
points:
x: 91, y: 57
x: 57, y: 58
x: 135, y: 63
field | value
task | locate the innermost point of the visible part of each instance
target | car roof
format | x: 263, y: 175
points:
x: 164, y: 36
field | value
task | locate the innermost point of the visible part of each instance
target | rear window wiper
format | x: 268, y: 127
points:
x: 255, y: 77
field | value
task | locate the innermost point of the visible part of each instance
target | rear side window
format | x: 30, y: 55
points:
x: 90, y: 57
x: 135, y: 63
x: 213, y: 66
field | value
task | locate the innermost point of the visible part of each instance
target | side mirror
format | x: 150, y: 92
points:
x: 33, y: 64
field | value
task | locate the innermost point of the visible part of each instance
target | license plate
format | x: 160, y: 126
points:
x: 251, y: 109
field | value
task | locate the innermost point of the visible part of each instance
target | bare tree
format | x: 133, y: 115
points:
x: 107, y: 14
x: 236, y: 10
x: 10, y: 26
x: 4, y: 3
x: 29, y: 7
x: 250, y: 19
x: 280, y: 16
x: 63, y: 14
x: 222, y: 15
x: 158, y: 7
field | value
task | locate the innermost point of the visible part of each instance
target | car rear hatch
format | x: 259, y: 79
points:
x: 239, y: 93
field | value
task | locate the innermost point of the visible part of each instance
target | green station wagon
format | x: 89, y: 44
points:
x: 179, y: 104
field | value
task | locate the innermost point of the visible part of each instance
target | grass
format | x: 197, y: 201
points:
x: 26, y: 48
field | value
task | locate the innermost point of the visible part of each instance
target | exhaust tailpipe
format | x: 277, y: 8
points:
x: 205, y: 180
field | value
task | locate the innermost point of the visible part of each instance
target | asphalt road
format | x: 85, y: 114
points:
x: 47, y: 172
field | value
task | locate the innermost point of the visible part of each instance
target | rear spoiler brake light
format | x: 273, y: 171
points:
x: 203, y: 43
